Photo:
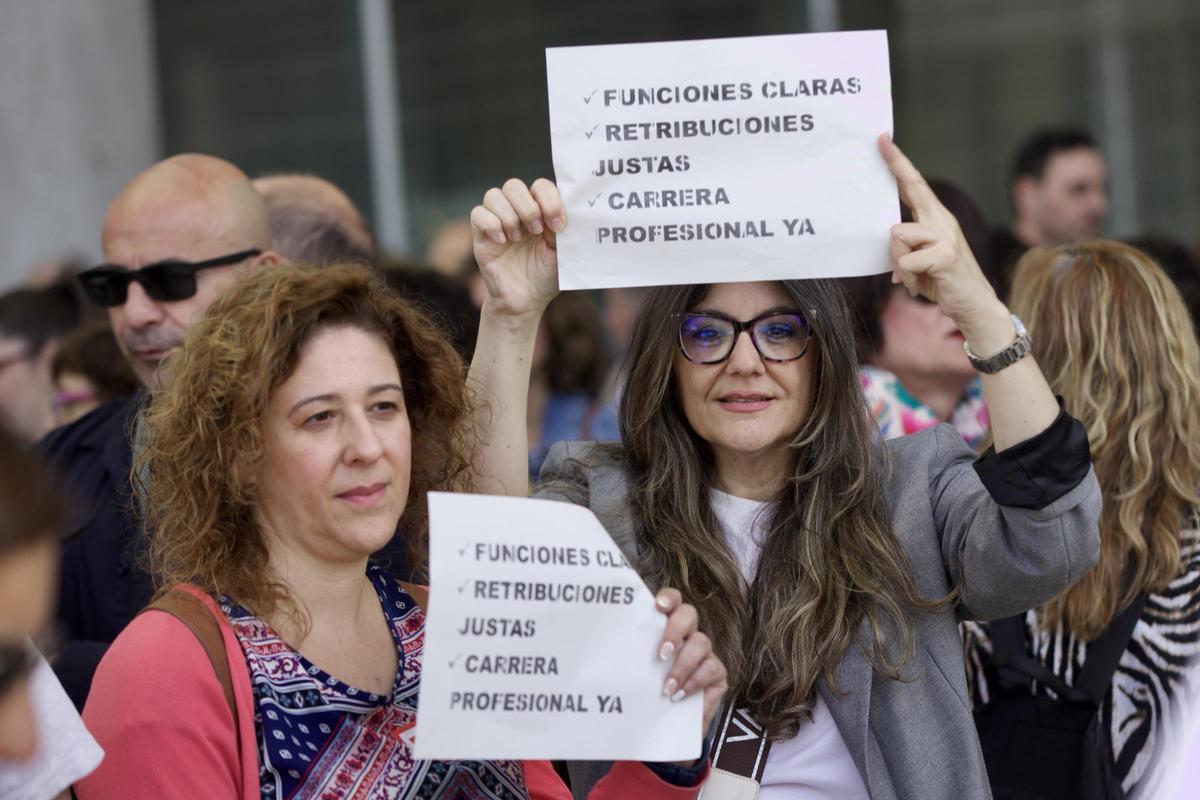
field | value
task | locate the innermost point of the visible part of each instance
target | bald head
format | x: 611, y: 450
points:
x: 313, y: 221
x: 187, y: 200
x: 190, y: 208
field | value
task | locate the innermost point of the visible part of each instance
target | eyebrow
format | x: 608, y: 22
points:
x: 325, y: 398
x: 775, y: 310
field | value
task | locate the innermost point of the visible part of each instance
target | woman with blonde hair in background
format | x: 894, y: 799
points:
x: 1114, y: 338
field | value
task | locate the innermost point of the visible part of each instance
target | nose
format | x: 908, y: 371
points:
x: 139, y: 309
x: 745, y: 358
x: 363, y: 444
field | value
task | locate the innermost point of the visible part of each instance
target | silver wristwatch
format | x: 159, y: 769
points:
x: 1006, y: 357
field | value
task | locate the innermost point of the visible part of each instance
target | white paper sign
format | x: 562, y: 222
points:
x: 722, y: 160
x: 540, y: 641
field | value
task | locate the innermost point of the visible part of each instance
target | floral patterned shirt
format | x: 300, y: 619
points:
x: 321, y: 738
x: 898, y: 413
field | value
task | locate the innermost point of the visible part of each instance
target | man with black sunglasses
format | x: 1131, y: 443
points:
x: 174, y: 239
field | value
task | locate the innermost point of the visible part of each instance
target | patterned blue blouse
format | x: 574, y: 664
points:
x: 321, y: 738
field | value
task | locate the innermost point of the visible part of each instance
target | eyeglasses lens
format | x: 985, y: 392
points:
x: 781, y: 337
x: 169, y: 282
x: 105, y: 287
x: 705, y: 340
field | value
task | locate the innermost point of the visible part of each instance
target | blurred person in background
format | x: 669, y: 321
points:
x: 32, y: 322
x: 1181, y: 266
x: 450, y: 246
x: 1059, y: 195
x: 313, y: 221
x: 569, y: 365
x: 174, y: 238
x: 443, y: 298
x: 44, y: 747
x: 89, y: 370
x: 618, y: 314
x: 311, y: 412
x: 1112, y: 335
x: 914, y: 372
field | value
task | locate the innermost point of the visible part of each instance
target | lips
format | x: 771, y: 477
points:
x: 364, y: 495
x: 744, y: 402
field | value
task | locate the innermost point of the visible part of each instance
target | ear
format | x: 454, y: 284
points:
x: 1024, y: 190
x: 267, y: 258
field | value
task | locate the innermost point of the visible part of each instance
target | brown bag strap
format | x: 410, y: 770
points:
x: 418, y: 593
x: 192, y: 612
x: 195, y: 615
x: 741, y: 745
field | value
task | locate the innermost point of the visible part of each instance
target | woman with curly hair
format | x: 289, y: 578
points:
x: 1115, y: 340
x: 310, y: 413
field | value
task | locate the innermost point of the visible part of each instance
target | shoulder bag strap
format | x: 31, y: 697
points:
x: 1104, y: 653
x: 1015, y: 668
x: 200, y: 621
x: 741, y: 744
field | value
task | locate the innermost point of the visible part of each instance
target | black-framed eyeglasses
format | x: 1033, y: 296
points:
x: 166, y: 281
x: 16, y: 661
x: 708, y: 337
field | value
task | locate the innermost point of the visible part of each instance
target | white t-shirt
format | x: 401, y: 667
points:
x: 815, y: 762
x: 66, y: 752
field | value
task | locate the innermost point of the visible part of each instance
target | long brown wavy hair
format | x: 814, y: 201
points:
x: 830, y: 558
x: 1113, y: 337
x: 203, y: 432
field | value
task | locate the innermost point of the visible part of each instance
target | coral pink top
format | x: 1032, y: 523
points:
x: 157, y: 709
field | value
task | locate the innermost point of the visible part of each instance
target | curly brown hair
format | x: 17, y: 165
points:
x: 203, y: 443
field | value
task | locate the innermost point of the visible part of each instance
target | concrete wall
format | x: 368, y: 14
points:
x: 78, y: 118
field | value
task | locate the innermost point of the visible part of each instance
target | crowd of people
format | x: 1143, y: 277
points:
x: 929, y: 534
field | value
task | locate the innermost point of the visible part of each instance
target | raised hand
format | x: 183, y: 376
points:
x: 513, y: 232
x: 696, y: 667
x: 930, y: 255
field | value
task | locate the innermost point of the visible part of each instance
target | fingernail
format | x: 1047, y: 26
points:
x: 663, y: 602
x: 664, y: 652
x: 669, y: 688
x: 498, y: 237
x: 557, y: 224
x: 675, y: 698
x: 536, y: 227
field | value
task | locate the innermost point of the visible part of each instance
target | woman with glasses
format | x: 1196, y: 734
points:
x: 830, y: 570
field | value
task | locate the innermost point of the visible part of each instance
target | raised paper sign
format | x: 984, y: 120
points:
x: 722, y: 160
x: 541, y: 641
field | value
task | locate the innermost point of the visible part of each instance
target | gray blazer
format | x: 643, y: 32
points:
x: 916, y: 739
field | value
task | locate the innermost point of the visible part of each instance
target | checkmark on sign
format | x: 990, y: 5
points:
x: 588, y: 99
x: 592, y: 202
x: 463, y: 588
x: 462, y: 551
x: 454, y: 660
x: 593, y: 130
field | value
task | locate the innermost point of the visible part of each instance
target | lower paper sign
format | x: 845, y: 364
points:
x: 541, y: 641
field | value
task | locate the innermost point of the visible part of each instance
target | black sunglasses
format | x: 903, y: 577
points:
x: 166, y: 281
x: 708, y: 337
x: 16, y: 661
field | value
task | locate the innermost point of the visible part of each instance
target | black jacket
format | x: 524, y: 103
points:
x: 102, y: 584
